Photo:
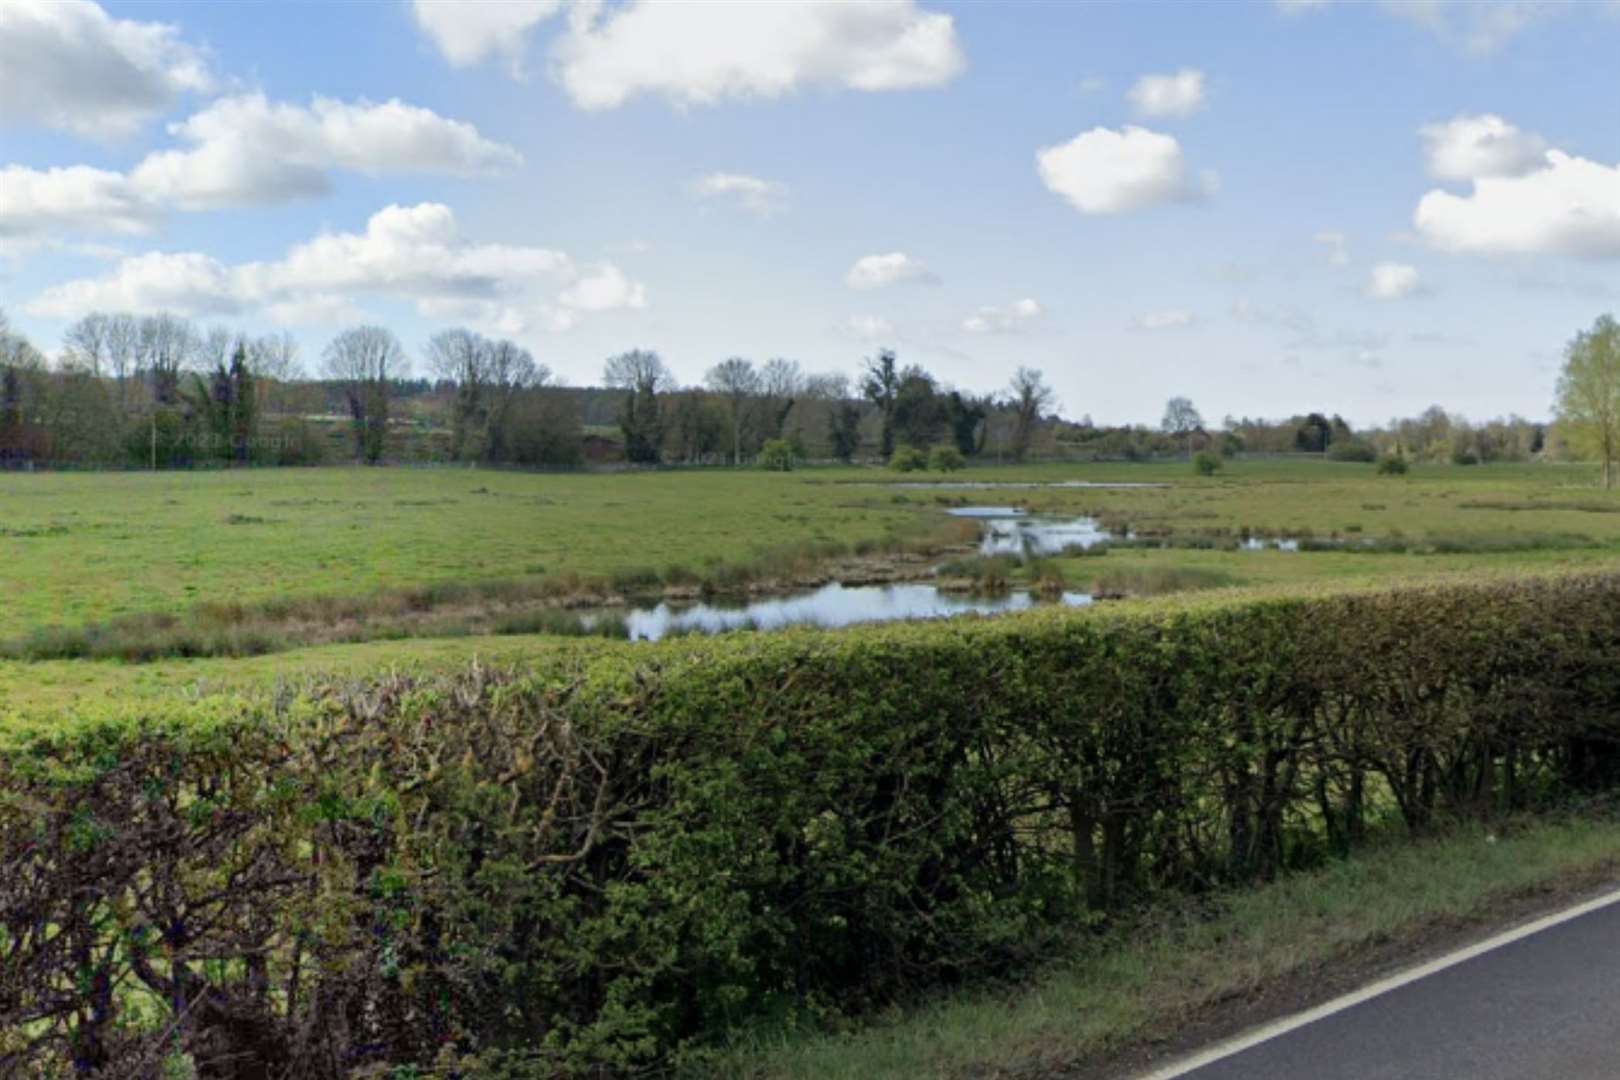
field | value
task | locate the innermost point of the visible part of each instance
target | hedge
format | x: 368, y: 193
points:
x: 605, y: 861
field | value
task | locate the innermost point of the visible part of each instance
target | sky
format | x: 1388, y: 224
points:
x: 1269, y: 207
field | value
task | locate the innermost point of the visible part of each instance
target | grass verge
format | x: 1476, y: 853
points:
x: 1117, y: 995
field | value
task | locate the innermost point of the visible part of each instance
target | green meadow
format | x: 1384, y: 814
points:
x: 319, y: 546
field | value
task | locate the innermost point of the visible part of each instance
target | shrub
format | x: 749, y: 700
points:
x: 946, y: 459
x: 1392, y: 465
x: 1352, y: 450
x: 593, y: 865
x: 908, y: 459
x: 1206, y: 463
x: 776, y: 455
x: 1462, y: 455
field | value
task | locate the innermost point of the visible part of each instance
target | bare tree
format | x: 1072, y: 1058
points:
x: 1031, y: 399
x: 123, y: 352
x: 275, y: 357
x: 457, y: 357
x: 736, y: 380
x: 86, y: 344
x: 509, y: 370
x: 1181, y: 418
x: 364, y: 360
x: 781, y: 382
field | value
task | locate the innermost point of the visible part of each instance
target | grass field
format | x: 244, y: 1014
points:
x: 86, y: 548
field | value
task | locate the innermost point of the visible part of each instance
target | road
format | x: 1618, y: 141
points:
x: 1545, y: 1007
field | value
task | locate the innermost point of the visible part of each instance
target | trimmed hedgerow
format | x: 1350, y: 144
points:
x: 602, y: 862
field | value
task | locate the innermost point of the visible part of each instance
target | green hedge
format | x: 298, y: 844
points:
x: 599, y: 863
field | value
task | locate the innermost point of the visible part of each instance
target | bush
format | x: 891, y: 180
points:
x: 1392, y: 465
x: 599, y: 863
x: 1462, y: 455
x: 1352, y: 450
x: 946, y: 459
x: 1206, y: 463
x: 776, y: 455
x: 908, y: 459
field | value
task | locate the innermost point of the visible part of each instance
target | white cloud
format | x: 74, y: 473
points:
x: 66, y: 64
x: 1477, y: 28
x: 869, y: 327
x: 700, y: 54
x: 761, y: 198
x: 1168, y: 319
x: 35, y: 202
x: 1103, y: 171
x: 876, y: 271
x: 1468, y: 147
x: 1569, y: 206
x: 411, y: 253
x: 1338, y: 253
x: 1392, y: 281
x: 1181, y: 94
x: 246, y: 151
x: 1005, y: 319
x: 1471, y: 25
x: 466, y: 33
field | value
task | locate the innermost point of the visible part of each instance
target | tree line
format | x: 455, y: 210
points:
x: 157, y: 391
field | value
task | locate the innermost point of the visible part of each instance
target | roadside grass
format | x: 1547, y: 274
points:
x: 1145, y: 981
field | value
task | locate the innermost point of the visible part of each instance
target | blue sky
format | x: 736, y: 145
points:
x: 1362, y: 208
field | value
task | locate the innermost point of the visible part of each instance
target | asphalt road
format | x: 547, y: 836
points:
x: 1545, y: 1007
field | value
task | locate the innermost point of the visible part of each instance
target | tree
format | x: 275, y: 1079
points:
x: 843, y: 413
x: 1181, y: 418
x: 363, y: 360
x: 735, y: 380
x: 966, y: 416
x: 919, y: 416
x: 643, y: 376
x: 457, y: 357
x: 227, y: 404
x: 1588, y: 394
x: 1031, y: 398
x: 780, y: 385
x: 880, y: 384
x: 165, y: 344
x: 86, y: 344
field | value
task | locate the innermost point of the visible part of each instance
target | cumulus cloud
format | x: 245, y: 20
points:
x: 1338, y: 252
x: 1103, y: 171
x: 1392, y: 281
x: 762, y: 198
x: 1006, y: 319
x: 36, y: 202
x: 1568, y: 206
x: 467, y: 33
x: 1468, y: 147
x: 1167, y: 319
x: 68, y: 65
x: 411, y: 253
x: 1181, y: 94
x: 876, y: 271
x: 700, y: 54
x: 246, y: 151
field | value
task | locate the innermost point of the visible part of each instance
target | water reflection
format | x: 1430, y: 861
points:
x: 828, y: 607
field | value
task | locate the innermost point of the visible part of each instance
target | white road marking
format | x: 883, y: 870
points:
x: 1278, y: 1028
